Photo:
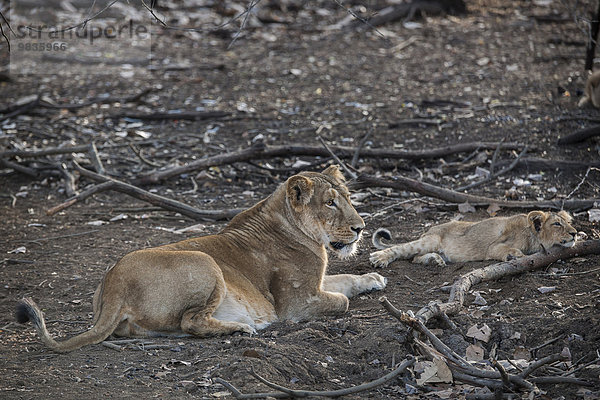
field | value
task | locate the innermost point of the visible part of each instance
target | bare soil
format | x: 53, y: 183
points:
x: 506, y: 74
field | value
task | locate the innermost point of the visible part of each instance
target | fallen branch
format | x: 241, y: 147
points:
x: 408, y: 10
x: 160, y: 201
x: 50, y: 151
x: 45, y: 102
x: 426, y: 189
x: 536, y: 163
x: 261, y: 151
x: 284, y: 392
x: 188, y: 115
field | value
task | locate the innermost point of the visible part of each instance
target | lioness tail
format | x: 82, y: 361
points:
x: 27, y: 310
x: 378, y: 235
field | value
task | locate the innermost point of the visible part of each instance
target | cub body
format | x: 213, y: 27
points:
x: 498, y: 238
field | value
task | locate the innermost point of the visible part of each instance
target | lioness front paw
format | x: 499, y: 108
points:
x: 380, y: 258
x: 245, y: 328
x: 373, y: 281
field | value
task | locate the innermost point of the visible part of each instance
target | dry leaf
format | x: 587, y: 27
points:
x: 521, y: 353
x: 594, y: 215
x: 493, y: 209
x: 474, y: 353
x: 480, y: 301
x: 252, y: 353
x: 482, y: 333
x: 18, y: 250
x: 466, y: 208
x: 435, y: 371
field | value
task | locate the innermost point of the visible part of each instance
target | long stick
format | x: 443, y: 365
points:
x: 426, y: 189
x: 263, y: 151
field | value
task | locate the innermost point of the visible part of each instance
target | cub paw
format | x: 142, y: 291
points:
x: 380, y: 258
x: 374, y: 281
x: 513, y: 254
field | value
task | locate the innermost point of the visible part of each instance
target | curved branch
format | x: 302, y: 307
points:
x: 286, y: 392
x: 427, y: 189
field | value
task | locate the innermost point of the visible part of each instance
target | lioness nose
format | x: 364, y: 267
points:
x: 358, y: 229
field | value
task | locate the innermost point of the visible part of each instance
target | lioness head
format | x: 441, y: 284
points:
x: 553, y: 228
x: 321, y: 203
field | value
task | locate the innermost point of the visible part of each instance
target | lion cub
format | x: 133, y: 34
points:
x: 591, y: 93
x: 498, y: 238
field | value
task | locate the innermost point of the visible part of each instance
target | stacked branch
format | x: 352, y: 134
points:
x: 498, y: 381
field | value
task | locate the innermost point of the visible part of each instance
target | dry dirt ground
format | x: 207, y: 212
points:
x: 505, y: 72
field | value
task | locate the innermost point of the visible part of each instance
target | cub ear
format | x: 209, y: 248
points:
x: 334, y: 172
x: 536, y: 219
x: 565, y: 215
x: 299, y: 191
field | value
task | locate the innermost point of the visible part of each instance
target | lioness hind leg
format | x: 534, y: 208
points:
x: 199, y: 321
x: 430, y: 259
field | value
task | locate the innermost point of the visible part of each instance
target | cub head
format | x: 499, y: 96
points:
x: 321, y: 205
x: 553, y: 228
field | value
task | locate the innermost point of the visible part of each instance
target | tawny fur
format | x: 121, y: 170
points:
x: 591, y: 92
x: 269, y: 263
x: 499, y: 238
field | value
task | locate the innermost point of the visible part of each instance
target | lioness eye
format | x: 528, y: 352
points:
x: 331, y: 203
x: 557, y: 224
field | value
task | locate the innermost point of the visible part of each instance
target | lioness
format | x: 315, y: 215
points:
x: 498, y: 238
x: 269, y: 263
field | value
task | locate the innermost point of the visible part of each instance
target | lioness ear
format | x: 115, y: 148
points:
x: 565, y: 215
x: 299, y: 191
x: 536, y: 219
x: 334, y: 172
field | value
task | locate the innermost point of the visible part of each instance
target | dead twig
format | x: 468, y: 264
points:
x: 359, y: 147
x: 19, y: 168
x: 166, y: 203
x: 81, y: 196
x: 350, y: 173
x: 494, y: 175
x: 95, y: 158
x: 580, y: 183
x: 286, y: 392
x: 580, y: 135
x: 138, y: 152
